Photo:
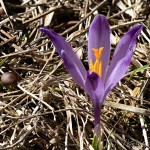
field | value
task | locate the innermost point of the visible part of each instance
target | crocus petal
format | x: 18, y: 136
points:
x: 122, y: 57
x: 73, y: 69
x: 95, y: 88
x: 61, y: 44
x: 99, y: 36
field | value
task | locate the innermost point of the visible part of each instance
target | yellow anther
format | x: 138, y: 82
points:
x: 97, y: 65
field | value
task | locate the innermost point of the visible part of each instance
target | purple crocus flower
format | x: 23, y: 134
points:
x: 102, y: 75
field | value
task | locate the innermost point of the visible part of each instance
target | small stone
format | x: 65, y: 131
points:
x: 8, y: 78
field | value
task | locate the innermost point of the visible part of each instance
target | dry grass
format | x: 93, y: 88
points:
x: 46, y: 110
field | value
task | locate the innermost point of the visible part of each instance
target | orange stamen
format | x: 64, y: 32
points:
x: 97, y: 65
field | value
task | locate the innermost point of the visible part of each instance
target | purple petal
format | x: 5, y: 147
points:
x: 99, y: 36
x: 122, y: 57
x: 61, y: 44
x: 95, y: 88
x: 73, y: 69
x: 97, y: 113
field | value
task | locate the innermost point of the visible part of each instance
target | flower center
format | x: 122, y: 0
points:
x: 97, y: 65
